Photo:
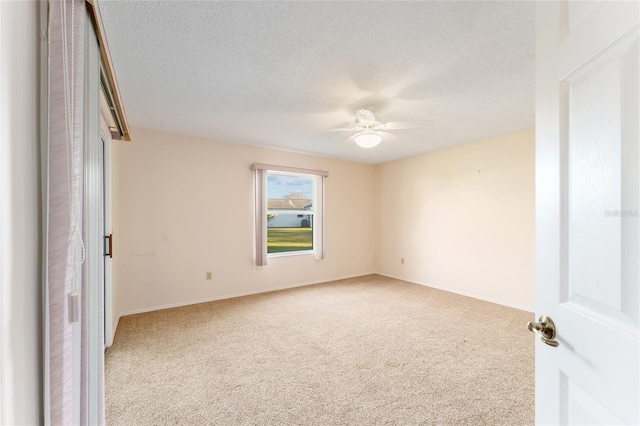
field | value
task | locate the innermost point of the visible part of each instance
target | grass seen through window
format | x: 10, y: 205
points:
x: 280, y: 240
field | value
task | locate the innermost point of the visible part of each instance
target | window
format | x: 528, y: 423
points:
x: 287, y: 195
x: 289, y: 212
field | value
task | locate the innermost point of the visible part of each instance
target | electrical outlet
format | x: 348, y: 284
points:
x: 402, y: 260
x: 209, y: 275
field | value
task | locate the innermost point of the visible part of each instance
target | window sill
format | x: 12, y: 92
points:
x: 290, y: 253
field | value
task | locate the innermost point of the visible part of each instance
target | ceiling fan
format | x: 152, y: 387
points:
x: 370, y: 128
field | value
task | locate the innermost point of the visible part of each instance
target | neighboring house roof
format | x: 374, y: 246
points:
x: 299, y: 204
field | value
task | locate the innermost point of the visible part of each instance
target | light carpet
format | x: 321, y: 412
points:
x: 363, y: 351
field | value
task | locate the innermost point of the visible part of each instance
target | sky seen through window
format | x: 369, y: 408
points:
x: 280, y: 185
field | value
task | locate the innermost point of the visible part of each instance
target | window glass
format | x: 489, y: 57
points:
x: 290, y: 213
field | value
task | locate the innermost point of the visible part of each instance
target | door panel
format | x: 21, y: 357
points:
x: 595, y: 173
x: 584, y: 409
x: 108, y: 231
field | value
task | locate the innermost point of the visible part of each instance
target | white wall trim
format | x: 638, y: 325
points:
x: 464, y: 293
x: 308, y: 283
x: 234, y: 295
x: 114, y: 328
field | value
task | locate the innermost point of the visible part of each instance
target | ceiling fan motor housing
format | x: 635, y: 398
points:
x: 365, y: 119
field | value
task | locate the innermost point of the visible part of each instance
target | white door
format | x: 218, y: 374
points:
x: 587, y: 189
x: 108, y: 237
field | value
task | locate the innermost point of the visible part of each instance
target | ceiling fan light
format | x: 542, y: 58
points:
x: 368, y: 139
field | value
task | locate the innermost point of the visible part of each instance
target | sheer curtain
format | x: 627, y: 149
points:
x: 70, y: 371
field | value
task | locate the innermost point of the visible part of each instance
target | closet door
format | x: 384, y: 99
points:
x: 92, y: 403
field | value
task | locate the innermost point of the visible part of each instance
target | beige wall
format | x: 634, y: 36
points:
x: 20, y: 248
x: 186, y: 207
x: 463, y: 219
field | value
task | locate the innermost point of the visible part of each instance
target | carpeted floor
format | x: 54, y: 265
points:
x: 363, y: 351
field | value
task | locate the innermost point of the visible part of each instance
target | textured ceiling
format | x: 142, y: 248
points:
x: 286, y: 74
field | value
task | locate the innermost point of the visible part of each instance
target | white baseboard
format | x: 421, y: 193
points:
x: 464, y: 293
x: 233, y: 295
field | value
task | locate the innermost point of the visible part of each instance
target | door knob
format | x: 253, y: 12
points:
x: 545, y: 330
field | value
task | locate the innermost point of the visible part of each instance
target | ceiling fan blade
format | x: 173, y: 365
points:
x: 406, y: 125
x: 351, y: 138
x: 344, y: 127
x: 389, y: 137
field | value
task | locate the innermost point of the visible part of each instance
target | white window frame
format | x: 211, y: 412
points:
x: 312, y: 212
x: 261, y: 172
